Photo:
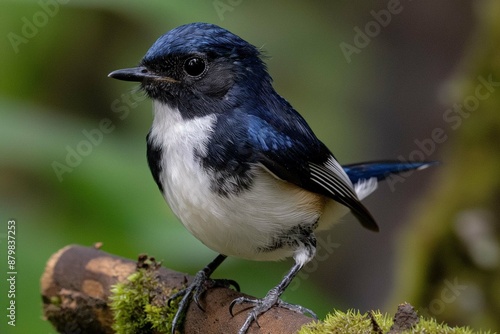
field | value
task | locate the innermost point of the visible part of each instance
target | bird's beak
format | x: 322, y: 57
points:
x: 138, y: 74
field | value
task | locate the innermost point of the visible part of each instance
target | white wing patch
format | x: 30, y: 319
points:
x: 333, y: 178
x: 337, y: 168
x: 365, y: 187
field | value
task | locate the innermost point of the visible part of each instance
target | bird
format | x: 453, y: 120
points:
x: 238, y: 165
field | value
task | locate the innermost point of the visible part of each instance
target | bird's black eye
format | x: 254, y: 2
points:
x: 195, y: 66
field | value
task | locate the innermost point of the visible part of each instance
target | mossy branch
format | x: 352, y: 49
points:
x: 86, y: 290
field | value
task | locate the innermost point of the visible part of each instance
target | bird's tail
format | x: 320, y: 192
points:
x: 381, y: 169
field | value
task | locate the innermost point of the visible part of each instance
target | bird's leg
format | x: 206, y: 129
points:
x: 201, y: 282
x: 304, y: 253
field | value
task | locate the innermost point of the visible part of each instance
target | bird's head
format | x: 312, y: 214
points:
x: 199, y: 63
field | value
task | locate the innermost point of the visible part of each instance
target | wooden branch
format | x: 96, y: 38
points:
x: 76, y: 288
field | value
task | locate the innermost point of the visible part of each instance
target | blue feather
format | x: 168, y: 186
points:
x: 382, y: 169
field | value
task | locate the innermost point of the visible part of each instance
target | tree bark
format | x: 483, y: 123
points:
x: 76, y: 287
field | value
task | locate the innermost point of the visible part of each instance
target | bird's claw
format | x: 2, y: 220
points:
x: 200, y: 284
x: 221, y: 283
x: 210, y: 284
x: 262, y: 306
x: 239, y: 301
x: 296, y: 308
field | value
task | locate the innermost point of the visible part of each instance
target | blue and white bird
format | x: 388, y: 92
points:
x: 240, y: 168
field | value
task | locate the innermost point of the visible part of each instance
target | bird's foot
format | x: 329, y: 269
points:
x: 263, y: 305
x: 201, y: 283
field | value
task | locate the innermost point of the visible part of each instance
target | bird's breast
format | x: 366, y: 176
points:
x: 258, y: 223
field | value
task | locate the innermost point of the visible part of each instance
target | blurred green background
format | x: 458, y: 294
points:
x: 368, y: 98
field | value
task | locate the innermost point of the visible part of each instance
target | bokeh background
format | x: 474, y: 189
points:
x: 375, y: 80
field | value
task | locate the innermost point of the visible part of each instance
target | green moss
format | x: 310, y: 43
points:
x: 349, y: 322
x: 139, y: 304
x: 431, y: 326
x: 354, y: 322
x: 55, y: 300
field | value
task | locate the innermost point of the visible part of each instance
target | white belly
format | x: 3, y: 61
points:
x: 243, y: 225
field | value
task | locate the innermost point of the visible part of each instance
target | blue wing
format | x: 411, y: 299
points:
x: 292, y: 152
